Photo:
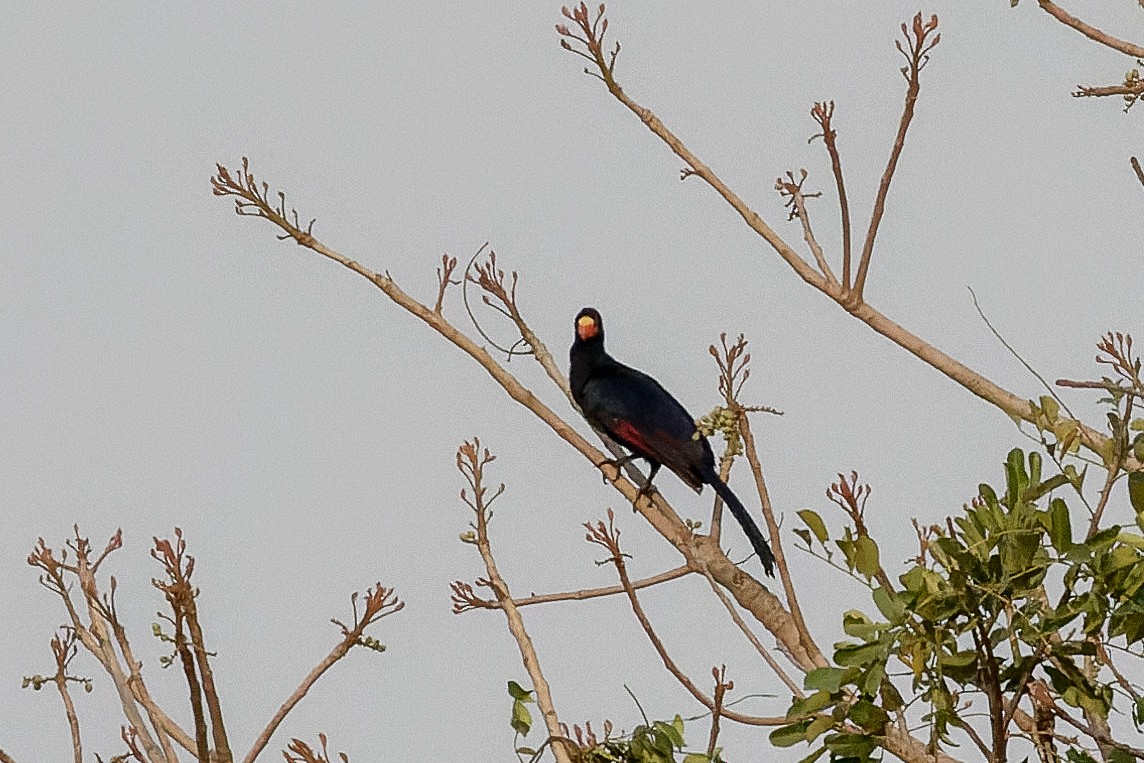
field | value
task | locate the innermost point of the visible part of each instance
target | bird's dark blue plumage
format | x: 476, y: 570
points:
x: 636, y: 411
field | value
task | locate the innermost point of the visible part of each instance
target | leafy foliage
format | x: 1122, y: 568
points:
x: 974, y: 617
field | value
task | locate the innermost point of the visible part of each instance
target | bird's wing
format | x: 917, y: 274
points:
x: 633, y: 409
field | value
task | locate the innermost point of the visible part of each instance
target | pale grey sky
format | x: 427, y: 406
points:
x: 167, y: 363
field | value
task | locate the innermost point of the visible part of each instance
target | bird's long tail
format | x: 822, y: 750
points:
x: 754, y: 534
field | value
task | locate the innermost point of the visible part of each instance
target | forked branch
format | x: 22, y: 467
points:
x: 377, y: 603
x: 471, y: 462
x: 750, y: 594
x: 918, y: 44
x: 608, y: 537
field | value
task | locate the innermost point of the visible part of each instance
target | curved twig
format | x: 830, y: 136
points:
x: 465, y: 279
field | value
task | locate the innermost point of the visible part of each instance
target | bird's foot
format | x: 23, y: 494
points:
x: 644, y: 492
x: 617, y: 464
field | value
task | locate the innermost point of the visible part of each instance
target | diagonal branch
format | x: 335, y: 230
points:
x: 379, y: 602
x: 253, y: 200
x: 1089, y: 31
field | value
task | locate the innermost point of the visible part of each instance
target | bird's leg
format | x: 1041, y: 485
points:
x: 618, y: 463
x: 647, y: 488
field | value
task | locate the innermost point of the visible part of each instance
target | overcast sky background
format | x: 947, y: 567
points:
x: 166, y: 363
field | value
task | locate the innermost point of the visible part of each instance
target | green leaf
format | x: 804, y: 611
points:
x: 812, y: 704
x: 818, y: 727
x: 815, y: 755
x: 1060, y: 526
x: 889, y: 604
x: 873, y: 679
x: 673, y: 734
x: 696, y: 757
x: 958, y: 659
x: 856, y: 623
x: 1016, y: 478
x: 1078, y: 756
x: 1035, y: 467
x: 518, y: 692
x: 850, y: 745
x: 1116, y: 755
x: 812, y: 520
x: 891, y: 698
x: 789, y: 736
x: 866, y: 556
x: 858, y: 654
x: 521, y: 721
x: 987, y: 494
x: 824, y: 679
x: 1136, y: 491
x: 869, y: 716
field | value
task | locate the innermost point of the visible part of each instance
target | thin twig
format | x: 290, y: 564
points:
x: 1105, y: 385
x: 444, y: 280
x: 823, y: 113
x: 181, y: 594
x: 1102, y: 501
x: 64, y: 649
x: 798, y: 621
x: 465, y: 603
x: 1097, y: 735
x: 916, y: 59
x: 165, y: 728
x: 1012, y: 351
x: 722, y: 686
x: 799, y: 200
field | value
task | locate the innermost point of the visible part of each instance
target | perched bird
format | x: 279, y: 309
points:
x: 634, y: 410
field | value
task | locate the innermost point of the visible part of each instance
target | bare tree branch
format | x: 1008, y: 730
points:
x: 471, y: 462
x: 1089, y: 31
x: 1011, y: 404
x: 253, y: 200
x: 379, y: 602
x: 608, y: 537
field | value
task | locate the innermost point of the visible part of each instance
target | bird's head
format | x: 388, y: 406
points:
x: 589, y: 325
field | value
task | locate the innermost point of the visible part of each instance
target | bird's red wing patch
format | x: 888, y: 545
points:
x: 630, y: 435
